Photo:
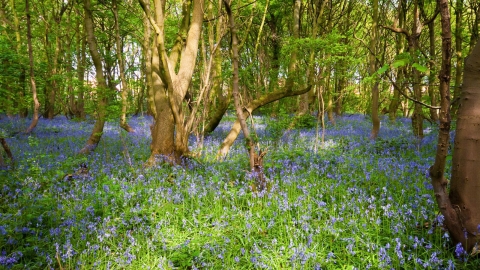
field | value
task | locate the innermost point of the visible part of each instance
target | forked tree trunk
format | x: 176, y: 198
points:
x: 36, y: 104
x: 460, y: 207
x: 102, y: 88
x: 172, y: 75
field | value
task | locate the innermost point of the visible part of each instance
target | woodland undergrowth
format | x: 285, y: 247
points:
x: 343, y: 203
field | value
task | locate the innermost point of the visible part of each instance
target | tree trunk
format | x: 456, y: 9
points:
x: 475, y: 7
x: 80, y: 102
x: 250, y: 108
x: 372, y: 70
x: 460, y: 207
x: 5, y: 146
x: 465, y: 185
x: 431, y: 77
x: 413, y: 45
x: 256, y: 161
x: 102, y: 89
x: 458, y: 54
x: 36, y: 104
x: 222, y: 99
x: 147, y: 54
x: 172, y: 85
x: 121, y: 64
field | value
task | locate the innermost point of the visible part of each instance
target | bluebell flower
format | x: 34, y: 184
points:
x: 459, y: 251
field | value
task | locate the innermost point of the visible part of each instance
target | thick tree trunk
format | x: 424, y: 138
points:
x: 36, y: 104
x: 102, y: 95
x: 460, y: 208
x: 163, y: 129
x: 169, y: 86
x: 465, y: 183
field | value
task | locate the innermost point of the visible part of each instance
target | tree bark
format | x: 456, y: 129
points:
x: 102, y: 95
x: 458, y: 54
x: 372, y: 70
x: 33, y: 85
x: 170, y: 84
x: 431, y: 77
x: 460, y: 206
x: 465, y: 183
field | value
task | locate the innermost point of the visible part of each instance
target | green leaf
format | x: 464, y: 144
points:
x: 420, y: 68
x: 383, y: 69
x: 400, y: 63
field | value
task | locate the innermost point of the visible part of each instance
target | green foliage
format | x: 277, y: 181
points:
x: 305, y: 121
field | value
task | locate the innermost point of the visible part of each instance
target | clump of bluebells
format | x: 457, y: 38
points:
x: 346, y: 202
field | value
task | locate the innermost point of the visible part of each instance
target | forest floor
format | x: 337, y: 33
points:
x: 344, y: 203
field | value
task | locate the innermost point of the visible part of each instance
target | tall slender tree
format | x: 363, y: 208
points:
x: 101, y: 87
x: 33, y: 85
x: 372, y: 70
x: 121, y: 65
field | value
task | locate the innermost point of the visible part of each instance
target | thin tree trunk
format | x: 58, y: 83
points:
x: 256, y: 161
x: 250, y: 108
x: 121, y: 64
x: 80, y: 102
x: 431, y: 77
x: 413, y: 43
x: 222, y: 99
x: 36, y: 104
x: 373, y: 68
x: 102, y: 88
x: 458, y: 54
x: 147, y: 54
x: 475, y: 31
x: 7, y: 151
